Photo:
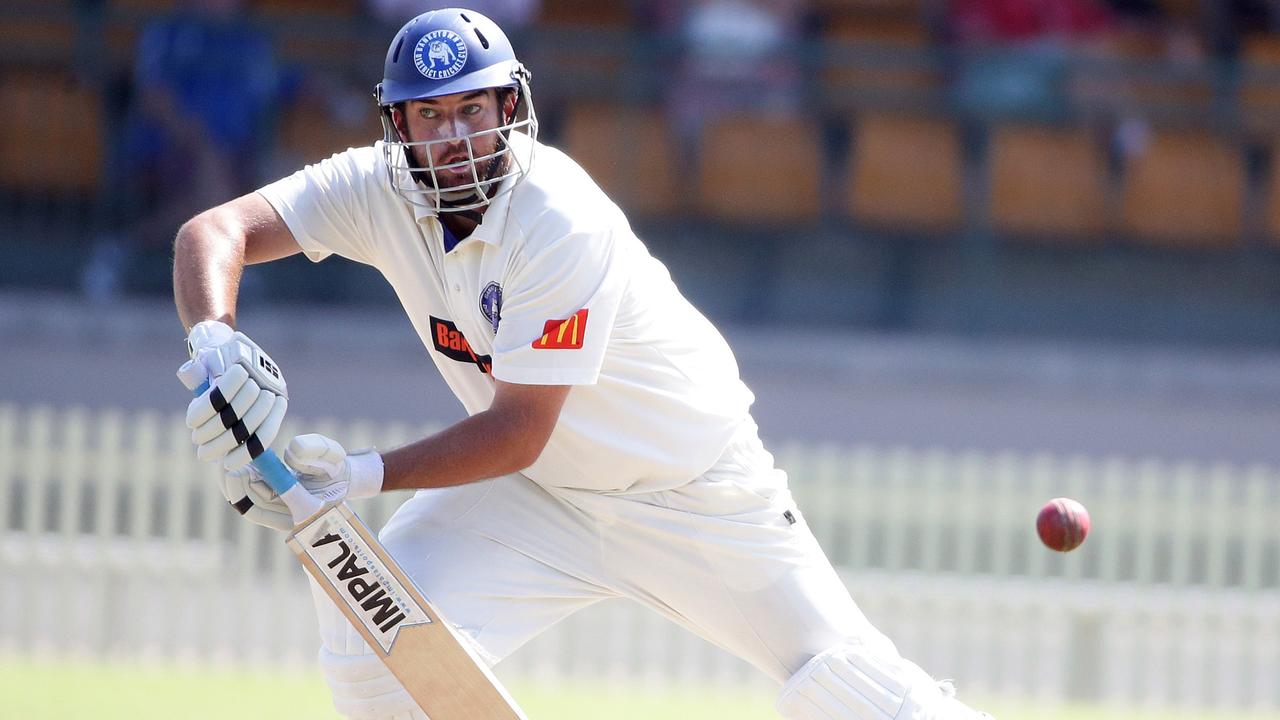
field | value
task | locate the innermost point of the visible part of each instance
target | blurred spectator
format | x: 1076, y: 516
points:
x: 1024, y: 21
x: 196, y: 125
x: 1017, y: 51
x: 738, y: 55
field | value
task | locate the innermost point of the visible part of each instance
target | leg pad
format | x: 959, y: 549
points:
x: 364, y: 689
x: 868, y: 682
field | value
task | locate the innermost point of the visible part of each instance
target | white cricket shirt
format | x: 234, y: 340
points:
x: 552, y: 288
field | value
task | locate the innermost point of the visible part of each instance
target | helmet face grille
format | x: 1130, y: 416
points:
x: 447, y: 52
x: 487, y: 176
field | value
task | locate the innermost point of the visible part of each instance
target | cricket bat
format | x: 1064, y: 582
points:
x: 436, y: 666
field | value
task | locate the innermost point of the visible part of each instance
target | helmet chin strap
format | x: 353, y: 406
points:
x: 451, y: 200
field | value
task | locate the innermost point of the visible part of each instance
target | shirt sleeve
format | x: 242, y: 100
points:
x: 325, y: 208
x: 558, y: 312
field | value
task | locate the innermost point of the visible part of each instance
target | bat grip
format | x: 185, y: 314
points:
x: 280, y: 478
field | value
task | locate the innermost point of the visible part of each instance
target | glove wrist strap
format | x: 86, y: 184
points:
x: 366, y: 473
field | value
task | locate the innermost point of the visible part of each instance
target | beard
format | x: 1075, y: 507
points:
x: 462, y: 187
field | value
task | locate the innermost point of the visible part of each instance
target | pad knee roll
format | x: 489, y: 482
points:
x: 859, y: 682
x: 362, y: 686
x: 364, y: 689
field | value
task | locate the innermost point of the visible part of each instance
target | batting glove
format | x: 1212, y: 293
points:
x: 239, y: 415
x: 250, y: 495
x: 332, y: 474
x: 323, y: 468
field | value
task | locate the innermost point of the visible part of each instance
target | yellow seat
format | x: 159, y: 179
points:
x: 1187, y: 189
x: 1272, y: 199
x: 897, y: 8
x: 1260, y: 89
x: 1137, y: 75
x: 894, y: 66
x: 157, y: 5
x: 906, y: 173
x: 1188, y: 10
x: 1046, y: 181
x: 339, y: 8
x: 38, y: 36
x: 628, y: 152
x: 614, y: 14
x: 760, y: 169
x: 308, y: 132
x: 52, y: 134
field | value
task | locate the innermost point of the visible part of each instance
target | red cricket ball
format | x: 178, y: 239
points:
x: 1062, y: 524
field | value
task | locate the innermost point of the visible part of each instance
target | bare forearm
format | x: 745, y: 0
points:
x: 212, y: 249
x: 483, y: 446
x: 208, y: 258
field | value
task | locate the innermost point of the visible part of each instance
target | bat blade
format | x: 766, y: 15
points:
x: 433, y: 663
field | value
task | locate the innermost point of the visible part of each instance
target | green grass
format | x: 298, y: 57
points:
x: 82, y: 691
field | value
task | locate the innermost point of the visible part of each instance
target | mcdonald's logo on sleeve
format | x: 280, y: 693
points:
x: 563, y: 334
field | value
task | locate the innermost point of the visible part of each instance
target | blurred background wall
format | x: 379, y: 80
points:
x: 966, y: 250
x: 1063, y: 168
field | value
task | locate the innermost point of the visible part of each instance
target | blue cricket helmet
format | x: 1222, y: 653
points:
x: 444, y: 52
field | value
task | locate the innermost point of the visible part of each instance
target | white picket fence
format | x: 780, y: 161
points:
x: 115, y: 544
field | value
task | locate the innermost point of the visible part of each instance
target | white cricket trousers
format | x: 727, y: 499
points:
x: 727, y: 556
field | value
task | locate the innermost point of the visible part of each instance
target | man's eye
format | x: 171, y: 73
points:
x: 471, y: 109
x: 428, y: 113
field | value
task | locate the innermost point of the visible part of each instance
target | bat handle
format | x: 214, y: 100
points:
x: 301, y: 503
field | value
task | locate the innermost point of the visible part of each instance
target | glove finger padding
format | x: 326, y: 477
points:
x: 239, y: 407
x: 243, y: 433
x: 240, y: 414
x: 212, y: 403
x: 315, y: 454
x: 266, y: 433
x: 254, y: 499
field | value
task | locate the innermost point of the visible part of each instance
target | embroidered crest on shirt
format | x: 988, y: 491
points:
x: 451, y: 343
x: 565, y: 334
x: 491, y: 304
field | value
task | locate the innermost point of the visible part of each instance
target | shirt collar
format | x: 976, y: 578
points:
x: 492, y: 223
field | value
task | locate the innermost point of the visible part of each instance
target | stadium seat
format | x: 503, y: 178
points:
x: 1260, y: 88
x: 1186, y: 189
x: 309, y: 131
x: 898, y: 8
x: 325, y: 50
x: 40, y: 36
x: 151, y: 5
x: 1047, y: 181
x: 1186, y: 10
x: 1139, y: 76
x: 760, y: 169
x: 614, y: 14
x: 906, y: 173
x: 629, y: 153
x: 1272, y: 199
x: 52, y: 134
x: 120, y: 40
x: 340, y: 8
x: 874, y: 58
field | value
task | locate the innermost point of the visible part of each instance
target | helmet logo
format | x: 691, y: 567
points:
x: 440, y: 54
